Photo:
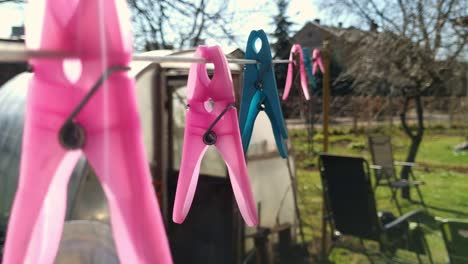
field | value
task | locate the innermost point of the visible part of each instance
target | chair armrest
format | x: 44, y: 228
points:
x: 441, y: 220
x: 375, y: 167
x: 404, y: 163
x: 260, y: 232
x: 404, y: 218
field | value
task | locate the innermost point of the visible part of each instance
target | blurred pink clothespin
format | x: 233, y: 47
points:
x: 85, y: 105
x: 297, y: 56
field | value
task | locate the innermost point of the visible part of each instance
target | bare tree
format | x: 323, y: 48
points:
x: 434, y: 24
x: 162, y: 24
x: 12, y: 1
x: 410, y: 44
x: 168, y: 24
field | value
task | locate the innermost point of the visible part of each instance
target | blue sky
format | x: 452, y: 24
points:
x: 10, y: 15
x: 249, y: 14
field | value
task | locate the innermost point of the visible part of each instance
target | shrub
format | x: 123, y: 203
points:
x: 360, y: 146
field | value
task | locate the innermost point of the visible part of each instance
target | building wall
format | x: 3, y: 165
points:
x: 9, y: 70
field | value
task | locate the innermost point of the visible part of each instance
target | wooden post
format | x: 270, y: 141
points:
x: 390, y: 106
x: 466, y: 102
x: 325, y: 112
x: 326, y: 93
x: 285, y: 243
x: 263, y: 246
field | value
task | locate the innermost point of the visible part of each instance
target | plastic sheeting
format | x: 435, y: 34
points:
x: 86, y: 242
x: 12, y: 105
x: 12, y: 108
x: 270, y: 176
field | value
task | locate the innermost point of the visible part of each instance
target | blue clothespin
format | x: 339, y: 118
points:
x: 260, y: 93
x: 308, y: 65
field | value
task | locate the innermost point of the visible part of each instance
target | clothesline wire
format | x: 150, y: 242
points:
x: 14, y: 56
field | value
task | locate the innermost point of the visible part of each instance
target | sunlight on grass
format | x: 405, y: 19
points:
x: 445, y: 191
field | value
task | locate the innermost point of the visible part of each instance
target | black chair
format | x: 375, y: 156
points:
x: 2, y: 241
x: 381, y: 150
x: 351, y: 209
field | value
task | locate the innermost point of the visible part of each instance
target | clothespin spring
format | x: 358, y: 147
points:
x: 72, y: 135
x: 259, y: 83
x: 209, y: 138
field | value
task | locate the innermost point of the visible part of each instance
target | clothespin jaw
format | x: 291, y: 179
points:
x: 218, y: 127
x: 83, y: 107
x: 296, y: 49
x: 308, y: 65
x: 317, y: 61
x: 260, y: 93
x: 84, y: 39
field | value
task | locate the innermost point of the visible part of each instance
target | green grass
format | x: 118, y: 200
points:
x: 446, y: 191
x: 436, y: 149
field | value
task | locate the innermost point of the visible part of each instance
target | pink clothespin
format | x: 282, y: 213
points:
x: 212, y: 120
x: 317, y: 61
x: 297, y: 57
x: 83, y: 106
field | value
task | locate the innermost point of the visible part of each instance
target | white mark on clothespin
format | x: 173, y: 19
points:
x: 209, y: 105
x: 72, y: 69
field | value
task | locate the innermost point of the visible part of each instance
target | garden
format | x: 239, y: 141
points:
x: 443, y: 169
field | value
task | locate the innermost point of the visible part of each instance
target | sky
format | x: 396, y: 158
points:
x: 10, y: 15
x: 249, y: 15
x: 299, y: 11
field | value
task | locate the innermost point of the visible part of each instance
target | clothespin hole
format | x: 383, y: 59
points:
x: 257, y: 45
x: 296, y: 58
x: 209, y: 105
x: 209, y: 73
x: 72, y: 69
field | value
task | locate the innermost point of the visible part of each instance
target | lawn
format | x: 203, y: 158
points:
x: 444, y: 171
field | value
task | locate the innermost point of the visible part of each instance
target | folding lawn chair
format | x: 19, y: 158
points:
x: 2, y: 240
x: 455, y: 234
x: 351, y: 209
x: 384, y: 168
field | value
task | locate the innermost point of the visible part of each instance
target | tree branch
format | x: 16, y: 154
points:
x: 420, y: 116
x: 403, y: 118
x: 384, y: 17
x: 442, y: 18
x: 422, y: 25
x: 12, y: 1
x: 165, y: 22
x: 405, y: 17
x: 361, y: 10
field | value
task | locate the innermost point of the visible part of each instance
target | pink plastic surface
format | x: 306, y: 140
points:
x: 296, y: 48
x: 199, y: 117
x: 98, y: 33
x: 317, y: 61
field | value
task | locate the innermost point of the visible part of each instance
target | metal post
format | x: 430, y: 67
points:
x: 325, y: 112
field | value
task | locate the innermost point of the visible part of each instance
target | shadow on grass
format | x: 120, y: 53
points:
x: 455, y: 212
x: 445, y: 210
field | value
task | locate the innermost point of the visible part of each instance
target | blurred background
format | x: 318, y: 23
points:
x: 392, y: 67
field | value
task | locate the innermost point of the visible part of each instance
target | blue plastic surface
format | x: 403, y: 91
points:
x: 255, y: 97
x: 308, y: 65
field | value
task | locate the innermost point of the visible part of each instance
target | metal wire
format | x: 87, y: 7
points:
x: 72, y: 135
x: 209, y: 137
x: 15, y: 56
x: 94, y: 89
